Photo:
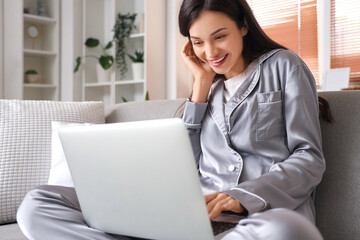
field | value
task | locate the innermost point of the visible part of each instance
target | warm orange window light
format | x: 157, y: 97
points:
x: 293, y: 24
x: 345, y: 36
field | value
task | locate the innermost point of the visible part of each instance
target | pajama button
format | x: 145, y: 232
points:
x: 232, y: 168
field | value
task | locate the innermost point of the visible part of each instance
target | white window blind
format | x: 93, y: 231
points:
x: 345, y: 36
x: 293, y: 24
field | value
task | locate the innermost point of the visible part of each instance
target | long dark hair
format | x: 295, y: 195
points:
x: 256, y: 42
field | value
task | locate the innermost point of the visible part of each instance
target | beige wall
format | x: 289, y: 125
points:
x: 183, y: 75
x: 178, y: 78
x: 156, y: 52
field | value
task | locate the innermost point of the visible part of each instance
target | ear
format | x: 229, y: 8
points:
x: 245, y: 29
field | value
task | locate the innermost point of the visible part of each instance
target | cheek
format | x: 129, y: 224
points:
x: 199, y: 53
x: 239, y: 45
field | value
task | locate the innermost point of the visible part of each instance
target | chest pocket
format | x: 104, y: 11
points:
x: 270, y: 121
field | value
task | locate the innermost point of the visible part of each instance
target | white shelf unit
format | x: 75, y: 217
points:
x: 42, y: 53
x: 1, y: 51
x: 101, y: 28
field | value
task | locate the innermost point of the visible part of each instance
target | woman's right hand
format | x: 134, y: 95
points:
x: 202, y: 72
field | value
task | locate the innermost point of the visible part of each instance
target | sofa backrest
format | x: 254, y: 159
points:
x: 145, y: 110
x: 337, y: 198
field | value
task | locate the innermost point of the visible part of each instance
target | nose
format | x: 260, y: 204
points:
x: 211, y: 51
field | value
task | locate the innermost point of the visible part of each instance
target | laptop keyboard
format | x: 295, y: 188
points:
x: 219, y: 227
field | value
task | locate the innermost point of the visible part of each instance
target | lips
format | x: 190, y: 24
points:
x: 219, y: 61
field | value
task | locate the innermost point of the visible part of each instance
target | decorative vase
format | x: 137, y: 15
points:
x: 138, y: 71
x: 32, y: 78
x: 102, y: 74
x: 41, y: 8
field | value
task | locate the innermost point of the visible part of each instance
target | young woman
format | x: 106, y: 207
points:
x: 253, y: 123
x: 253, y: 119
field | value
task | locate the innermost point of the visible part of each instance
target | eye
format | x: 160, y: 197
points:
x: 197, y: 43
x: 220, y: 36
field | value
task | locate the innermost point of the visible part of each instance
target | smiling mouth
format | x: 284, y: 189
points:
x: 218, y: 62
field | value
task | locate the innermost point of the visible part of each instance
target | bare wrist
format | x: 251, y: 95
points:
x: 201, y: 89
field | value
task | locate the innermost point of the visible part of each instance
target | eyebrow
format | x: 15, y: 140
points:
x: 212, y: 34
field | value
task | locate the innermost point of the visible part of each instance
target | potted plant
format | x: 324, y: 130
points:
x: 137, y: 64
x: 32, y: 76
x: 122, y: 29
x: 147, y: 98
x: 105, y: 61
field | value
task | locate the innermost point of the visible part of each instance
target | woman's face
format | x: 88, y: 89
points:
x: 217, y: 41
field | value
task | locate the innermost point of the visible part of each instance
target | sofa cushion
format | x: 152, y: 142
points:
x: 25, y: 144
x: 11, y: 232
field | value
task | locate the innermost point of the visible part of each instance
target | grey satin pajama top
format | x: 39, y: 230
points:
x: 263, y: 147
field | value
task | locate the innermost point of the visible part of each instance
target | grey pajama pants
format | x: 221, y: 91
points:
x: 53, y: 212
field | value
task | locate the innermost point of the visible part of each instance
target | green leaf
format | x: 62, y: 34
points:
x: 31, y: 71
x: 122, y: 29
x: 109, y: 45
x: 133, y: 59
x: 106, y: 62
x: 78, y: 63
x: 124, y: 99
x: 92, y: 42
x: 138, y: 57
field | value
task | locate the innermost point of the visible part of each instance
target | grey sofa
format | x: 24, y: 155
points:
x: 337, y: 197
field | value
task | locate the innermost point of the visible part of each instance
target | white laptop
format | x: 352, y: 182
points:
x: 138, y: 179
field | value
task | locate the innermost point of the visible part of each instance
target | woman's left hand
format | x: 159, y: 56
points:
x: 217, y: 202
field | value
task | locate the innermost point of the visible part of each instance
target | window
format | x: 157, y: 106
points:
x: 345, y: 36
x: 292, y: 23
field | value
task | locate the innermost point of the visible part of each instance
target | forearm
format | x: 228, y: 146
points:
x: 201, y: 89
x: 193, y: 117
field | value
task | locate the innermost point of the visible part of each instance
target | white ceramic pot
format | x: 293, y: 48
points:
x: 102, y: 74
x: 138, y: 71
x: 32, y: 78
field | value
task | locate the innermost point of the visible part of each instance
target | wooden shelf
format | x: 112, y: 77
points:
x: 39, y: 85
x: 98, y: 84
x: 137, y: 35
x: 38, y: 19
x: 35, y: 52
x: 129, y: 82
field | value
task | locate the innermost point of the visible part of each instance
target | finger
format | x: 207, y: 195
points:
x: 212, y: 203
x: 233, y: 205
x: 190, y: 51
x: 218, y: 208
x: 187, y: 54
x: 186, y: 50
x: 210, y: 197
x: 226, y: 204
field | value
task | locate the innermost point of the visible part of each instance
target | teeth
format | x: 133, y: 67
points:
x: 219, y: 60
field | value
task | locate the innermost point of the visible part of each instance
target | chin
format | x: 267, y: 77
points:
x: 219, y: 71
